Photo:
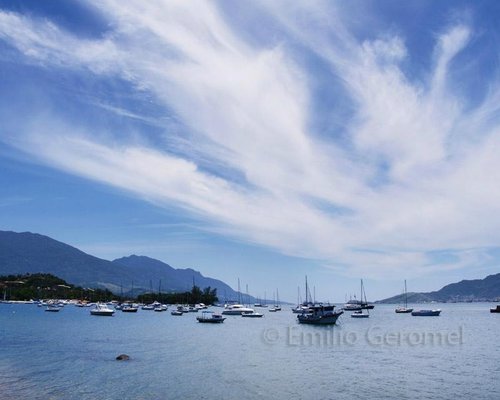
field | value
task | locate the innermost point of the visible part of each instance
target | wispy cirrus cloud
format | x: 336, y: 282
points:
x: 408, y: 178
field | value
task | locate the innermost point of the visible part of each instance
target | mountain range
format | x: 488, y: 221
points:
x: 27, y: 252
x: 487, y: 289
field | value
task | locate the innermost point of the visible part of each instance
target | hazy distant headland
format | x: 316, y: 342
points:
x: 487, y: 289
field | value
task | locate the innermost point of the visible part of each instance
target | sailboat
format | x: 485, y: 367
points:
x: 405, y: 309
x: 299, y: 309
x: 360, y: 313
x: 277, y: 306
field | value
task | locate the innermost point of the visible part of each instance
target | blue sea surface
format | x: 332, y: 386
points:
x: 71, y: 355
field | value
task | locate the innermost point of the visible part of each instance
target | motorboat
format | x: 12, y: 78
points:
x: 210, y: 317
x: 403, y: 310
x: 352, y: 305
x: 179, y: 311
x: 129, y: 308
x: 102, y: 310
x: 320, y: 314
x: 236, y: 309
x: 52, y: 308
x: 360, y: 314
x: 252, y: 315
x: 426, y: 313
x: 495, y: 310
x: 304, y: 308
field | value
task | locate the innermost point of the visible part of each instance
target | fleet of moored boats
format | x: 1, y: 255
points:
x: 308, y: 312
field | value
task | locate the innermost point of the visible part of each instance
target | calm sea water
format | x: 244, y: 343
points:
x: 71, y: 355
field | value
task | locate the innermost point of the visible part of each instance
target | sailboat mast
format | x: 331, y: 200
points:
x: 239, y: 292
x: 307, y: 291
x: 406, y: 296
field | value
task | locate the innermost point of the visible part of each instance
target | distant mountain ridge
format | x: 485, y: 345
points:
x: 487, y: 289
x: 28, y: 252
x: 172, y: 279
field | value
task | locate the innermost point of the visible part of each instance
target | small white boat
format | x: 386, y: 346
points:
x: 179, y: 311
x: 360, y: 314
x: 130, y: 308
x: 102, y: 310
x: 301, y: 308
x: 52, y: 308
x: 210, y: 317
x: 237, y: 309
x: 352, y: 305
x: 252, y: 315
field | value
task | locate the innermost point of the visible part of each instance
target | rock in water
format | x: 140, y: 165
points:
x: 123, y: 357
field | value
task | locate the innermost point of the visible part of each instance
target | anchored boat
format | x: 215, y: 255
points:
x: 252, y: 315
x: 210, y: 317
x: 359, y: 313
x: 102, y: 310
x: 405, y: 309
x: 426, y: 313
x: 320, y: 314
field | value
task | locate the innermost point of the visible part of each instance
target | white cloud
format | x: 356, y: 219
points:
x: 413, y: 181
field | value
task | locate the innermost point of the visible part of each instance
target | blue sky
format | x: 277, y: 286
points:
x: 259, y: 140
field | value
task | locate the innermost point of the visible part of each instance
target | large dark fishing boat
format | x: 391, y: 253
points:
x: 320, y: 314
